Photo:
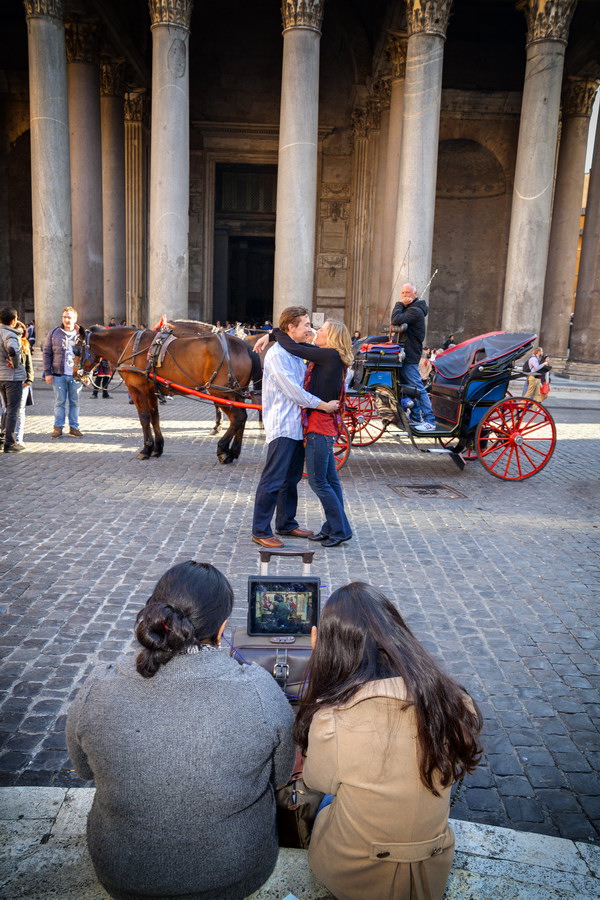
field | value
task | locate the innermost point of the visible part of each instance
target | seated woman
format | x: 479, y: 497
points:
x: 387, y: 733
x: 186, y: 748
x: 328, y: 360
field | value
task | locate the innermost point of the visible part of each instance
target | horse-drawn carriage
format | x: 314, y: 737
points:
x: 512, y: 437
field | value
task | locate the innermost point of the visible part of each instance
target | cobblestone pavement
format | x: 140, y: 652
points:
x: 499, y: 580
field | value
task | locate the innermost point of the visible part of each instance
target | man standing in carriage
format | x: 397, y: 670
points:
x: 410, y: 312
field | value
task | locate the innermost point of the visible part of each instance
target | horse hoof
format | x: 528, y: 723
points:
x: 156, y: 454
x: 215, y: 430
x: 142, y: 456
x: 224, y: 458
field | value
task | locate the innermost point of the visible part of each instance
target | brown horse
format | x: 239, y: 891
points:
x: 219, y: 365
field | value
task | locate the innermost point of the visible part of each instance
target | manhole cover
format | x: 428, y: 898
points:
x: 427, y: 490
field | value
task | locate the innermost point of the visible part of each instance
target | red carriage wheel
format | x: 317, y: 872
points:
x: 341, y: 450
x: 362, y: 420
x: 515, y: 438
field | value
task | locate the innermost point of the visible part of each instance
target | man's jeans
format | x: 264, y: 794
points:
x: 11, y: 392
x: 65, y: 387
x: 324, y: 481
x: 410, y: 375
x: 278, y: 487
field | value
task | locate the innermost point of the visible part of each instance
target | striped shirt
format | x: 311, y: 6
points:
x: 283, y: 395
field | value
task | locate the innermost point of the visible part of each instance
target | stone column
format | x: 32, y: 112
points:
x: 83, y: 82
x: 136, y: 208
x: 297, y: 163
x: 380, y: 138
x: 113, y: 186
x: 585, y: 337
x: 169, y: 160
x: 427, y: 21
x: 548, y: 26
x: 365, y: 125
x: 559, y: 294
x: 50, y: 166
x: 396, y: 54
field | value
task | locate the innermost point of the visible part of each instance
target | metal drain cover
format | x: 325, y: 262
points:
x: 427, y: 490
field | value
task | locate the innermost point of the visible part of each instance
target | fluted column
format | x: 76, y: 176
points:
x: 83, y: 81
x: 50, y: 166
x: 365, y: 126
x: 585, y: 337
x: 297, y: 163
x: 113, y: 186
x: 380, y: 139
x: 427, y: 21
x: 578, y: 97
x: 136, y: 208
x: 169, y: 160
x: 396, y: 54
x: 547, y: 29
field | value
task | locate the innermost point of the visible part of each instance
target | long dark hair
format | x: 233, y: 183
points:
x: 188, y: 606
x: 362, y: 638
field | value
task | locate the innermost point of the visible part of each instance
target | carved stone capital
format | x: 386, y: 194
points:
x: 112, y: 77
x: 382, y: 91
x: 578, y: 96
x: 171, y: 12
x: 373, y: 112
x: 395, y: 53
x: 360, y: 123
x: 82, y: 42
x: 302, y: 14
x: 429, y: 16
x: 136, y: 107
x: 547, y: 20
x: 37, y: 9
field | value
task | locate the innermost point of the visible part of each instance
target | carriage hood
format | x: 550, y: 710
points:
x: 485, y: 348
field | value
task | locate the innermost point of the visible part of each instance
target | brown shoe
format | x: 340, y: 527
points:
x: 56, y: 432
x: 297, y: 532
x: 271, y: 543
x: 75, y: 432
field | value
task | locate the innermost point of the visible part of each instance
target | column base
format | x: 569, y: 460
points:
x: 580, y: 371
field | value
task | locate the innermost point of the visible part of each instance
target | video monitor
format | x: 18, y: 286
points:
x: 282, y: 606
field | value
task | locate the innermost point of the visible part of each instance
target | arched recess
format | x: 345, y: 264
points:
x: 472, y: 218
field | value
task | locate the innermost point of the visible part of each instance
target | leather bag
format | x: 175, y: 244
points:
x: 297, y: 808
x: 284, y: 657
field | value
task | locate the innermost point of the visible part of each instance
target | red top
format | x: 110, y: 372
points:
x: 321, y: 423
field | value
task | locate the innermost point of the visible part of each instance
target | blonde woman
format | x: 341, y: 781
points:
x: 328, y: 360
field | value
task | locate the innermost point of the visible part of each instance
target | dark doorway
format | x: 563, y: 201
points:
x: 244, y: 242
x: 251, y: 278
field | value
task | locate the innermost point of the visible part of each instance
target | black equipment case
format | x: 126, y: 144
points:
x: 284, y: 656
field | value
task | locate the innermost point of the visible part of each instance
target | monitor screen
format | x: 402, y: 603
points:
x: 282, y: 605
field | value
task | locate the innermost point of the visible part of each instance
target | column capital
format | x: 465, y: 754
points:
x: 395, y: 53
x: 81, y: 38
x: 578, y: 96
x: 38, y: 9
x: 171, y: 12
x: 428, y: 16
x: 381, y: 90
x: 547, y: 20
x: 136, y: 106
x: 359, y: 123
x: 112, y: 77
x: 302, y: 14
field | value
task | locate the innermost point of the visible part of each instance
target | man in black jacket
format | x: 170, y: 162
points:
x: 411, y: 312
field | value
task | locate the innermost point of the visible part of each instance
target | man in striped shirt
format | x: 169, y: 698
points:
x: 283, y: 397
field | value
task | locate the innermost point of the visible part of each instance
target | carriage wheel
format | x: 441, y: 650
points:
x: 341, y: 450
x: 362, y: 421
x: 515, y: 439
x: 468, y: 454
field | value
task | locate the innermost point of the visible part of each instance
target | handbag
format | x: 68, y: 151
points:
x: 297, y: 808
x: 545, y: 388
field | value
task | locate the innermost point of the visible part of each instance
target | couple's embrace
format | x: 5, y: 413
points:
x: 302, y: 404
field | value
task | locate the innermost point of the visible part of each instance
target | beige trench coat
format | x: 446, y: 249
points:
x: 385, y: 836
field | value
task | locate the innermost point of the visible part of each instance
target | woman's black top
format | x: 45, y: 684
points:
x: 329, y: 370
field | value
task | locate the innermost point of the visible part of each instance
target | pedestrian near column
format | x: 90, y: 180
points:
x: 26, y: 397
x: 12, y: 377
x: 411, y: 312
x: 283, y: 398
x: 59, y: 354
x: 539, y: 367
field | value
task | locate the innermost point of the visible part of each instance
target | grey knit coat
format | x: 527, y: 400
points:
x: 185, y: 764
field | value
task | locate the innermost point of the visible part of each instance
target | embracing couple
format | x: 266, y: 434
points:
x: 302, y: 403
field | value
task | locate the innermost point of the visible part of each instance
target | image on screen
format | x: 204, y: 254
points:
x: 283, y: 608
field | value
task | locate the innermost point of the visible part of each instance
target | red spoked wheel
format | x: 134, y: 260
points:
x: 515, y: 439
x: 341, y: 450
x: 362, y: 420
x: 468, y: 454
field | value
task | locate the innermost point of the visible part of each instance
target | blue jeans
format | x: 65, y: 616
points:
x: 65, y: 387
x: 278, y: 487
x: 12, y: 392
x: 324, y: 481
x: 410, y: 375
x: 20, y: 426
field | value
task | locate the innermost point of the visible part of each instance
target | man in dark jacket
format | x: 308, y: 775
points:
x: 60, y: 350
x: 411, y: 312
x: 12, y: 377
